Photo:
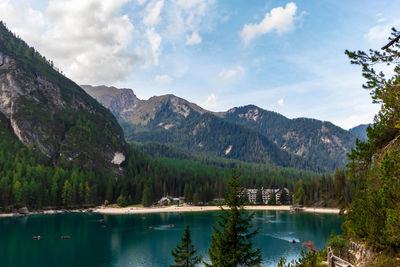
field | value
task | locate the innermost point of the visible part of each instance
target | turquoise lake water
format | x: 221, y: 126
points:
x: 126, y: 240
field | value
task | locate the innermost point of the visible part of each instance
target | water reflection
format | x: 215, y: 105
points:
x: 126, y: 240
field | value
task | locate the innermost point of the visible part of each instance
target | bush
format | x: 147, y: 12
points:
x: 121, y: 201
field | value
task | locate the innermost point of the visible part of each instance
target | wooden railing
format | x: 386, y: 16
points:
x: 334, y: 261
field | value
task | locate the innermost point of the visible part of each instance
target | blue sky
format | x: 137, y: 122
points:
x: 286, y: 56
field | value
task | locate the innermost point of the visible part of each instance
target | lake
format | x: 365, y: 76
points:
x: 126, y: 240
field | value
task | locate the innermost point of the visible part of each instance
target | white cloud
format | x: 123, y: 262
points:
x: 88, y: 40
x: 230, y: 73
x: 188, y: 17
x: 155, y: 45
x: 193, y: 39
x: 211, y: 102
x: 380, y: 33
x: 281, y: 102
x: 153, y: 13
x: 141, y: 2
x: 280, y: 19
x: 380, y: 20
x: 163, y: 79
x: 355, y: 120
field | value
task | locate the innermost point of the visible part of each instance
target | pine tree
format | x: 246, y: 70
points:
x: 283, y: 198
x: 299, y: 193
x: 147, y: 198
x: 232, y: 243
x: 272, y: 197
x: 121, y: 201
x: 184, y: 253
x: 17, y: 192
x: 188, y: 193
x: 259, y: 198
x: 67, y: 194
x: 339, y: 179
x: 87, y: 193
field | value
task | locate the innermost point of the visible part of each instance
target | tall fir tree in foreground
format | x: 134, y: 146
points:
x: 374, y: 215
x: 184, y: 253
x: 232, y: 243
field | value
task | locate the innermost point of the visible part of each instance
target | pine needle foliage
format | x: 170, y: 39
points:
x: 184, y: 252
x: 232, y: 243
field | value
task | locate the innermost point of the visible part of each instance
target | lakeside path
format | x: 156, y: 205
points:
x: 135, y: 210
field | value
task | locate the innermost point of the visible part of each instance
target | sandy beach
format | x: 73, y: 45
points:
x: 43, y: 212
x: 136, y: 210
x: 142, y: 210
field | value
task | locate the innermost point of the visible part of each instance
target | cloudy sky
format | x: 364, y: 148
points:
x: 286, y: 56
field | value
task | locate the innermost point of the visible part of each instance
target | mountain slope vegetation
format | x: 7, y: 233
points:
x: 320, y: 142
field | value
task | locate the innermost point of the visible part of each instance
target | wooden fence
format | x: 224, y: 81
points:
x: 334, y: 261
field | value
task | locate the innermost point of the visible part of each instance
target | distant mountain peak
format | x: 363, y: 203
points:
x: 360, y: 131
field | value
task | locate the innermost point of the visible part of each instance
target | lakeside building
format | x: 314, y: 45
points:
x: 266, y: 194
x: 167, y: 200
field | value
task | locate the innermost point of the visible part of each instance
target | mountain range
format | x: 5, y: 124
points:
x: 247, y: 133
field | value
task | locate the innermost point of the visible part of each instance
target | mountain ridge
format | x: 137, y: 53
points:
x: 173, y: 120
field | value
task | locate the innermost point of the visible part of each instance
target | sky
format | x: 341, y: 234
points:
x: 285, y: 56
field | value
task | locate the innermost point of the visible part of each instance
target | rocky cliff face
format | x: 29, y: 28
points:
x: 121, y: 102
x: 16, y: 93
x: 46, y: 109
x: 124, y: 104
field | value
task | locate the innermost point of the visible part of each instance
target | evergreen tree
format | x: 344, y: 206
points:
x: 232, y: 243
x: 121, y: 201
x: 259, y: 198
x: 147, y: 199
x: 87, y: 193
x: 184, y: 253
x: 339, y: 180
x: 283, y: 198
x: 272, y: 197
x: 81, y: 193
x: 299, y: 193
x: 67, y: 194
x: 17, y: 192
x: 188, y: 193
x: 375, y: 164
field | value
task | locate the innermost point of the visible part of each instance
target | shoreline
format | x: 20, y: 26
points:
x: 135, y: 210
x: 179, y: 209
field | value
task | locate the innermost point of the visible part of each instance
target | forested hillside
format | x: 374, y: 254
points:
x: 319, y: 142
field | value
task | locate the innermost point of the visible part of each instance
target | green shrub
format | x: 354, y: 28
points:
x: 121, y: 201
